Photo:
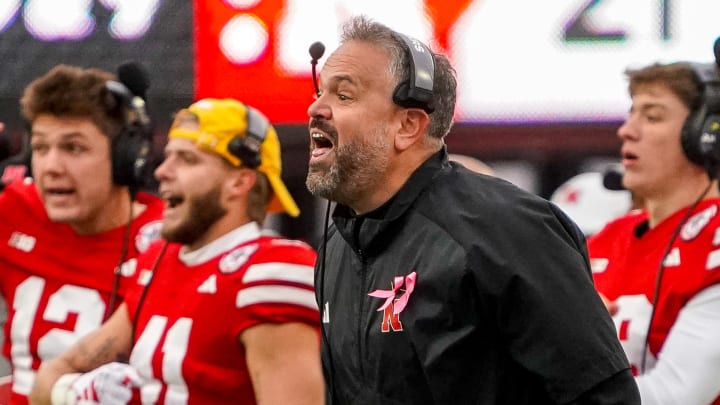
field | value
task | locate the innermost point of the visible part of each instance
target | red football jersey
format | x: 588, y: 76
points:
x: 625, y: 258
x: 196, y: 305
x: 57, y: 284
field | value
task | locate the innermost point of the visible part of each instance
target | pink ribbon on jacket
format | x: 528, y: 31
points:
x: 390, y: 295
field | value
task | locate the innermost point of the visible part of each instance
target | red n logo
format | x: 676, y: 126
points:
x: 396, y: 300
x: 391, y: 320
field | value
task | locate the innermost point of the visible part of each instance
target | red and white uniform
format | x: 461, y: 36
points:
x: 57, y: 284
x: 197, y: 304
x: 685, y: 337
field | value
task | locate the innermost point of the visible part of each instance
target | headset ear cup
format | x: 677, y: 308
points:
x: 130, y: 155
x: 690, y: 138
x: 240, y: 147
x: 403, y: 98
x: 247, y: 147
x: 400, y: 95
x: 700, y: 132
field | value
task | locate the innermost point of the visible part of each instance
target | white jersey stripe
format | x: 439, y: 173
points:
x: 295, y: 273
x: 275, y: 294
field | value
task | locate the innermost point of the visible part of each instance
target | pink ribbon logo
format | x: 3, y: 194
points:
x: 392, y: 295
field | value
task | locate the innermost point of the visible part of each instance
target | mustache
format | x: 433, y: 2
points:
x: 324, y: 126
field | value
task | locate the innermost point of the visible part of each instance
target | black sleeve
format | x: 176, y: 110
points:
x: 620, y: 389
x: 551, y: 318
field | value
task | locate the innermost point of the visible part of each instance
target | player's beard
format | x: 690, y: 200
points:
x: 204, y: 210
x: 358, y: 167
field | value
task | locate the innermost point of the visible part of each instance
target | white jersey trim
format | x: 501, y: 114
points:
x: 688, y: 367
x: 295, y: 273
x: 275, y: 294
x: 237, y: 236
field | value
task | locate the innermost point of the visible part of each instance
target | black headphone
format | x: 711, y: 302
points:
x: 417, y: 92
x: 701, y: 129
x: 246, y: 147
x: 131, y: 148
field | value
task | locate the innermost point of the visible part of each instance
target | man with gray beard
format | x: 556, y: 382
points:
x: 438, y: 285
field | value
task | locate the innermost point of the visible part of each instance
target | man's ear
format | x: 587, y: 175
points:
x: 239, y: 181
x: 413, y: 122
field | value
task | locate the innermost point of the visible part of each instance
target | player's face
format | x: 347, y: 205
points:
x: 350, y: 123
x: 191, y: 185
x: 72, y: 170
x: 651, y: 150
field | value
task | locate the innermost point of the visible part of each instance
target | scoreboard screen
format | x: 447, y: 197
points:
x: 517, y: 61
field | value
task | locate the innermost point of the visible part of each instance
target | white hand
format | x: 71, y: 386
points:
x: 110, y: 384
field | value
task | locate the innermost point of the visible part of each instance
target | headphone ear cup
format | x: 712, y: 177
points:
x: 247, y: 147
x: 701, y: 129
x: 400, y: 94
x: 403, y: 98
x: 690, y: 137
x: 130, y: 156
x: 241, y: 148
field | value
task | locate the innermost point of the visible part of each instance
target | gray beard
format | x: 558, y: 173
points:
x: 358, y: 169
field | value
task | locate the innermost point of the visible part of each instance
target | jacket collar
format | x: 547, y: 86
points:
x: 361, y: 230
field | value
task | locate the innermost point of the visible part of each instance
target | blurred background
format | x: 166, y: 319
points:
x: 541, y: 84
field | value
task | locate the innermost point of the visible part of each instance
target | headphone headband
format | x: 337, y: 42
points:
x: 418, y: 91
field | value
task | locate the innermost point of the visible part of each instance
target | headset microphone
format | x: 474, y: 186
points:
x: 317, y: 49
x: 612, y: 177
x: 135, y: 79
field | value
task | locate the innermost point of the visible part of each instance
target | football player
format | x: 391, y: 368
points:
x: 68, y: 232
x: 223, y: 312
x: 659, y: 268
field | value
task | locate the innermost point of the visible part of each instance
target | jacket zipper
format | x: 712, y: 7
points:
x: 361, y: 315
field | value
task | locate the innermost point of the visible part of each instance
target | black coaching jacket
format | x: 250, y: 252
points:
x: 464, y: 289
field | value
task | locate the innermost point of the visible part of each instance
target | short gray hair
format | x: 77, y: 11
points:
x: 362, y: 28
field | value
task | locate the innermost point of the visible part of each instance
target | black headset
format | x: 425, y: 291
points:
x: 246, y: 147
x: 129, y: 155
x: 701, y: 129
x: 131, y: 148
x: 417, y: 92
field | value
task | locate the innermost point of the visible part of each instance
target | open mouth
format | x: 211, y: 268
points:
x: 320, y: 141
x: 59, y: 192
x: 629, y: 157
x: 172, y: 200
x: 320, y: 146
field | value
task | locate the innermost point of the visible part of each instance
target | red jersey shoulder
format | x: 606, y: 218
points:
x: 291, y: 250
x: 22, y: 196
x: 699, y: 238
x: 147, y: 225
x: 146, y: 259
x: 703, y: 219
x: 277, y: 284
x: 624, y: 225
x: 154, y: 204
x: 267, y: 249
